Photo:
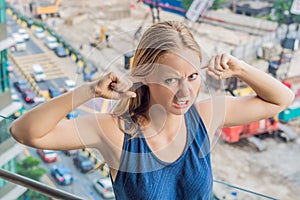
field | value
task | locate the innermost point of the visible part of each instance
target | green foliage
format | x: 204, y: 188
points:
x: 187, y: 3
x: 269, y: 18
x: 218, y: 4
x: 282, y: 12
x: 30, y: 194
x: 30, y: 168
x: 259, y: 16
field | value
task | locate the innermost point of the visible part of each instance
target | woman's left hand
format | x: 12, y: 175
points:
x: 223, y: 66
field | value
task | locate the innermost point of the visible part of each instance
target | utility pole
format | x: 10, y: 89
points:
x: 234, y: 6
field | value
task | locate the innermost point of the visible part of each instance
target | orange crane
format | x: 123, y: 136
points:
x: 40, y: 8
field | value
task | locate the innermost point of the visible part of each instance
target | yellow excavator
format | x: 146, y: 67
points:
x: 44, y: 8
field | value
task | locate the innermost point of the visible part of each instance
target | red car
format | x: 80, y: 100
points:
x: 47, y: 155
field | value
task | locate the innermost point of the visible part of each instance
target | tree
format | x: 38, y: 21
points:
x: 218, y: 4
x: 30, y: 168
x: 187, y: 3
x: 282, y: 12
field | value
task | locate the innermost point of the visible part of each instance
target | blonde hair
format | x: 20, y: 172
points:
x: 160, y: 38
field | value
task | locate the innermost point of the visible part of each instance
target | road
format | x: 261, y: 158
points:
x: 57, y: 70
x: 82, y: 185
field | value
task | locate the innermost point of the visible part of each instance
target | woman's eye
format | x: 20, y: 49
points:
x: 170, y: 80
x: 193, y: 76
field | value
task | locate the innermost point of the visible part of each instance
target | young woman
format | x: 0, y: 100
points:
x: 157, y: 140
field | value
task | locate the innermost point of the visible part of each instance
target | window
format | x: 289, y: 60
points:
x: 4, y: 129
x: 9, y: 166
x: 2, y: 11
x: 4, y: 78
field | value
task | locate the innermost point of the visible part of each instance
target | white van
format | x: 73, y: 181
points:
x: 19, y: 42
x: 38, y: 73
x: 39, y: 33
x: 23, y: 33
x: 51, y: 42
x: 69, y: 85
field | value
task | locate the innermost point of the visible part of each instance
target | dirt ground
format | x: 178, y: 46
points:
x: 274, y: 172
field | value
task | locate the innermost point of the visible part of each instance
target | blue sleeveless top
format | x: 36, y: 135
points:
x: 143, y: 176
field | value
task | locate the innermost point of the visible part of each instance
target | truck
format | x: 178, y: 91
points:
x: 269, y: 127
x: 44, y: 8
x: 293, y: 111
x: 253, y: 131
x: 290, y: 113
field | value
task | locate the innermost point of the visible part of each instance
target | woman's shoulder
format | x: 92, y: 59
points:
x: 109, y: 127
x: 204, y: 109
x: 212, y: 114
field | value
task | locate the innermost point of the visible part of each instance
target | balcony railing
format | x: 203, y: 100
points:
x: 222, y: 190
x: 36, y: 186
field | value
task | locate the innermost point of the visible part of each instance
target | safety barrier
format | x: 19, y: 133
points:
x: 37, y: 186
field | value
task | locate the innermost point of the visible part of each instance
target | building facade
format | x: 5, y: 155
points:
x: 9, y: 149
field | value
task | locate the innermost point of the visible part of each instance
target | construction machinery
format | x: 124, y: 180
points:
x: 40, y: 9
x: 290, y: 113
x: 236, y: 87
x: 270, y: 126
x: 252, y: 132
x: 293, y: 111
x: 98, y: 38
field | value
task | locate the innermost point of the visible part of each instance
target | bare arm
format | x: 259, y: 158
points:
x: 45, y: 126
x: 271, y: 95
x: 47, y: 121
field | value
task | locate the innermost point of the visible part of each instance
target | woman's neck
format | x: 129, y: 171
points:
x: 161, y: 122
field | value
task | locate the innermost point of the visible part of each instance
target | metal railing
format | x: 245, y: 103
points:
x: 60, y: 194
x: 37, y: 186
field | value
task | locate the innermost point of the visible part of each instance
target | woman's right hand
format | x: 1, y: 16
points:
x: 112, y: 86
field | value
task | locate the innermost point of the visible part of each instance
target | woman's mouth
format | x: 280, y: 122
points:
x: 181, y: 103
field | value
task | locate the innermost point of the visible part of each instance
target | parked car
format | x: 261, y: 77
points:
x: 71, y: 152
x: 51, y: 42
x: 60, y: 51
x: 21, y: 85
x: 23, y: 33
x: 38, y: 99
x: 29, y: 22
x: 72, y: 115
x: 20, y: 44
x: 53, y: 92
x: 38, y: 73
x: 47, y: 155
x: 83, y: 163
x: 104, y: 187
x: 39, y: 33
x: 69, y: 85
x: 89, y: 72
x: 9, y: 66
x: 62, y: 175
x: 28, y: 95
x: 14, y: 96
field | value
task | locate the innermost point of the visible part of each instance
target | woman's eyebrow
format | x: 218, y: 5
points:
x: 165, y: 70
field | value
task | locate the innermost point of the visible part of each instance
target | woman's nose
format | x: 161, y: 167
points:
x: 183, y: 90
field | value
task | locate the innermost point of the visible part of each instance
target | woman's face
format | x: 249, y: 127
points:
x: 175, y: 83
